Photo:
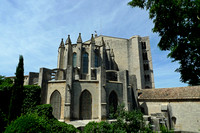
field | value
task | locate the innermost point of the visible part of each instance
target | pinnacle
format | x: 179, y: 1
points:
x: 68, y: 41
x: 79, y: 40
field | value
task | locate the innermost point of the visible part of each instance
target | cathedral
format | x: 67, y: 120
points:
x: 93, y: 77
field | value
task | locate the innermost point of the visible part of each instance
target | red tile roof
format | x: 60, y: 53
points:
x: 189, y: 92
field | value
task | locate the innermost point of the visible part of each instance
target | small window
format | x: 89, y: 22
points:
x: 145, y: 57
x: 74, y: 59
x: 143, y: 45
x: 85, y: 63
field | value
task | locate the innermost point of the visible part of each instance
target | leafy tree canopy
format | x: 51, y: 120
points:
x: 5, y: 81
x: 178, y: 24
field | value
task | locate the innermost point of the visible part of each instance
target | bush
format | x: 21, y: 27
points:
x: 28, y: 123
x: 128, y: 121
x: 101, y: 127
x: 44, y: 110
x: 39, y: 119
x: 62, y: 127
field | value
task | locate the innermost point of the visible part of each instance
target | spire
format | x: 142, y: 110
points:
x: 68, y: 41
x: 92, y: 40
x: 61, y: 43
x: 79, y: 40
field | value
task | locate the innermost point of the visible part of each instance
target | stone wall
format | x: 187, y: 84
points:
x: 185, y: 114
x: 93, y: 88
x: 60, y: 86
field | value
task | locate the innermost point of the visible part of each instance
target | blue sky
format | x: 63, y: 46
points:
x: 34, y: 29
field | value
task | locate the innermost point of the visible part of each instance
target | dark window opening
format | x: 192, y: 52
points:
x: 96, y: 63
x: 145, y: 57
x: 143, y: 45
x: 85, y: 63
x: 146, y: 67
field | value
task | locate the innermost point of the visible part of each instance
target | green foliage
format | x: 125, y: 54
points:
x: 19, y: 80
x: 39, y: 119
x: 5, y: 94
x: 44, y: 110
x: 128, y: 121
x: 5, y: 81
x: 31, y: 97
x: 3, y: 121
x: 28, y: 123
x: 112, y: 113
x: 17, y: 97
x: 101, y: 127
x: 163, y: 129
x: 178, y: 25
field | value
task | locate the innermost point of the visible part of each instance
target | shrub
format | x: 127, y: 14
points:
x: 163, y: 129
x: 44, y: 110
x: 28, y: 123
x: 129, y: 121
x: 39, y: 119
x: 101, y: 127
x: 62, y: 127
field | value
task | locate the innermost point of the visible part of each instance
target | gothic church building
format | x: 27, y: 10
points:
x: 94, y: 76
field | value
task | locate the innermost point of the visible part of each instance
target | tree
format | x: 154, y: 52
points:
x: 16, y: 100
x: 5, y: 81
x: 178, y: 25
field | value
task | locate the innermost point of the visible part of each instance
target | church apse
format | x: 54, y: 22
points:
x: 91, y: 76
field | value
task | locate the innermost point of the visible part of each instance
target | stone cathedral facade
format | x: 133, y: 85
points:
x: 94, y: 76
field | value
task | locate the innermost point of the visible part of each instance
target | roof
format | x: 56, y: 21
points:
x: 189, y: 92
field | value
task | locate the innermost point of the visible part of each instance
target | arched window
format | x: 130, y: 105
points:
x: 74, y: 59
x: 85, y: 63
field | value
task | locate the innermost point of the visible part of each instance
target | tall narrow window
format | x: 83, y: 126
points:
x: 143, y: 45
x: 85, y: 63
x: 96, y: 63
x: 74, y: 59
x: 145, y: 57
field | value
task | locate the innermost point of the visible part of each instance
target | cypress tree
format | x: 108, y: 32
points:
x: 16, y: 100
